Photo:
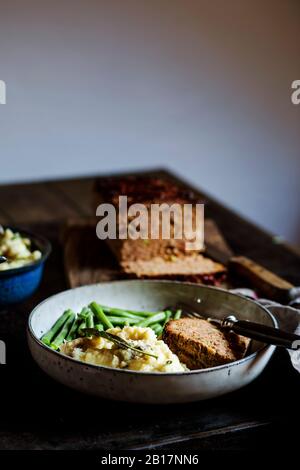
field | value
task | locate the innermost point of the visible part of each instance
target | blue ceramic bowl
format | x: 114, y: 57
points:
x: 20, y: 283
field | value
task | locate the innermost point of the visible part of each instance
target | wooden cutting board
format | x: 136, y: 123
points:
x: 88, y: 260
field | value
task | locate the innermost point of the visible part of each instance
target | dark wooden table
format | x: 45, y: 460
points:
x: 38, y: 413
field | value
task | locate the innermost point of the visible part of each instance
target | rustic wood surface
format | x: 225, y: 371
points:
x: 38, y: 413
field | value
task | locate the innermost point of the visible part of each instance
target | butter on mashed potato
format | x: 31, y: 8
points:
x: 103, y: 352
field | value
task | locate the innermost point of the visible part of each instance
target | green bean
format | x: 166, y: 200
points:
x: 161, y: 316
x: 177, y: 314
x: 63, y: 332
x: 168, y: 316
x: 156, y: 327
x: 90, y: 320
x: 98, y: 312
x: 103, y: 317
x: 48, y: 337
x: 143, y: 313
x: 125, y: 312
x: 120, y: 313
x: 99, y: 327
x: 81, y: 327
x: 159, y: 330
x: 85, y: 312
x: 123, y: 321
x: 72, y: 333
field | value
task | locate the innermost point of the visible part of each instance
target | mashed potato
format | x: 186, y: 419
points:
x: 17, y: 250
x: 103, y: 352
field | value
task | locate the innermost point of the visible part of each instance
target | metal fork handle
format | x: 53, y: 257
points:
x: 266, y: 334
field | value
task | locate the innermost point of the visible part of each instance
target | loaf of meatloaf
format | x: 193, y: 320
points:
x: 155, y: 258
x: 141, y: 189
x: 199, y: 344
x: 146, y: 190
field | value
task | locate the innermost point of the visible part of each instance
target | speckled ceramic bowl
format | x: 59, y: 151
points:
x: 18, y: 284
x: 145, y: 387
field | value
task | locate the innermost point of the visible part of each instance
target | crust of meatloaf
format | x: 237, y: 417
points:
x: 199, y: 344
x: 143, y: 188
x: 146, y: 190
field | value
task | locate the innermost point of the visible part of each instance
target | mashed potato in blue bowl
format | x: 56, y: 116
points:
x: 21, y: 273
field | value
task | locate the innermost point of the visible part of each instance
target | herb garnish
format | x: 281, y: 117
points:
x: 122, y: 343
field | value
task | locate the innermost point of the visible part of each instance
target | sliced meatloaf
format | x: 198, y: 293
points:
x: 192, y: 265
x: 146, y: 190
x: 199, y: 344
x: 155, y: 258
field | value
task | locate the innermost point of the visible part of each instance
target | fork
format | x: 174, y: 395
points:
x: 253, y: 330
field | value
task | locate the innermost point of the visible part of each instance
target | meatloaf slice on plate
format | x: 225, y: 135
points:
x: 199, y: 344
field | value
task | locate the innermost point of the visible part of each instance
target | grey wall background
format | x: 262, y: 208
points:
x: 200, y: 86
